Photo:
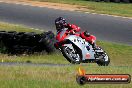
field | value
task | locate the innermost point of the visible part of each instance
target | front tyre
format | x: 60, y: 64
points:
x: 104, y: 60
x: 71, y: 54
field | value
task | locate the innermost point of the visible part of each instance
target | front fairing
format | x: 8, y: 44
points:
x: 82, y: 44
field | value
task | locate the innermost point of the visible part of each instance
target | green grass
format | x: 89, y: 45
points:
x: 120, y: 55
x: 28, y: 76
x: 54, y: 77
x: 120, y: 9
x: 18, y: 28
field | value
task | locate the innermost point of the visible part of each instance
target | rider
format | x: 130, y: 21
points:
x: 89, y: 38
x: 61, y: 24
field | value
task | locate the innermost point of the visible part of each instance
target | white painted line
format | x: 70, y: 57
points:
x: 103, y: 14
x: 37, y: 29
x: 17, y: 3
x: 87, y: 12
x: 32, y: 28
x: 27, y: 4
x: 93, y: 13
x: 116, y: 16
x: 41, y: 30
x: 41, y: 6
x: 108, y: 15
x: 129, y: 18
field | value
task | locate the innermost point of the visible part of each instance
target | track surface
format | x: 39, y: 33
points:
x: 104, y: 27
x: 32, y: 64
x: 51, y: 64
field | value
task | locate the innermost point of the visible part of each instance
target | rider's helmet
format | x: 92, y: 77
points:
x: 60, y: 23
x: 87, y: 34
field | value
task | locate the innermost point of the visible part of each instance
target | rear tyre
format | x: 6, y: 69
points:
x: 71, y: 55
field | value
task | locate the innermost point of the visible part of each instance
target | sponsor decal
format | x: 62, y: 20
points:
x: 87, y: 56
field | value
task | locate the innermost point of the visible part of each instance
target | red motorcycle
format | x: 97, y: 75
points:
x: 77, y: 50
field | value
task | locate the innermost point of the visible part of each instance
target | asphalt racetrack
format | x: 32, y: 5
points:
x: 108, y: 28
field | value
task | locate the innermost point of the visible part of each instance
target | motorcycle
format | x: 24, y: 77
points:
x: 76, y: 50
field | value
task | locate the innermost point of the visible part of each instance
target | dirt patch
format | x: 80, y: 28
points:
x: 48, y: 5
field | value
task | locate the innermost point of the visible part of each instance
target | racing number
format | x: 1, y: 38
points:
x: 79, y: 40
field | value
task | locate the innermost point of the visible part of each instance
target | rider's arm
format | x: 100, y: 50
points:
x: 73, y: 28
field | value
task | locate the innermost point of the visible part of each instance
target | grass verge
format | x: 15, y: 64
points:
x: 26, y: 76
x: 55, y: 77
x: 120, y: 55
x: 18, y: 28
x: 120, y: 9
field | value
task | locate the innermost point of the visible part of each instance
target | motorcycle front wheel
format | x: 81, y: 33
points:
x: 71, y: 55
x: 104, y: 60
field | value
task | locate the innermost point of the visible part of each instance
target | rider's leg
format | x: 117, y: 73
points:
x: 93, y: 45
